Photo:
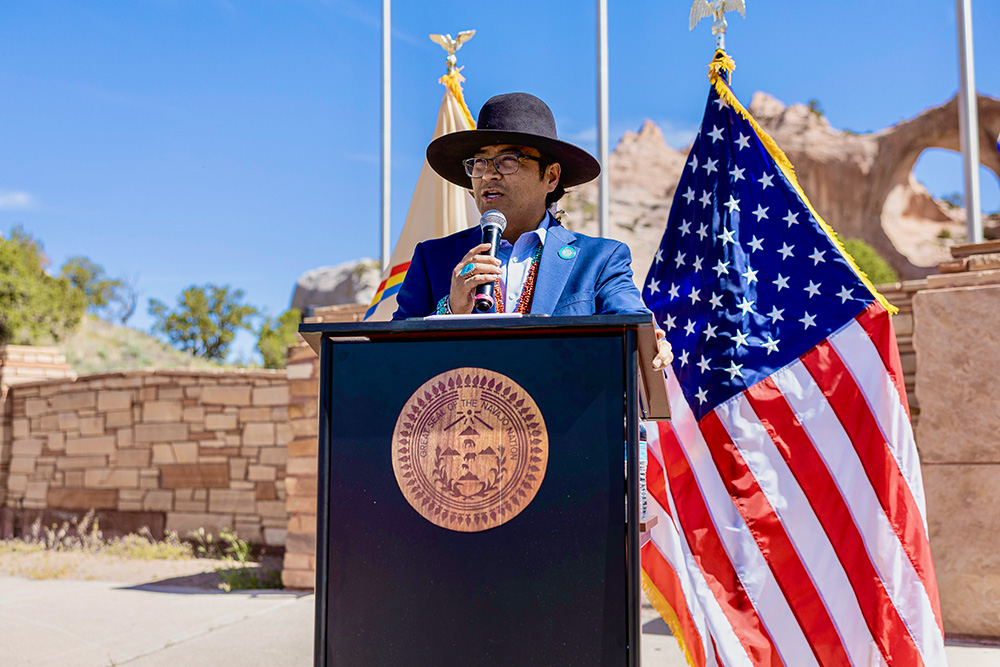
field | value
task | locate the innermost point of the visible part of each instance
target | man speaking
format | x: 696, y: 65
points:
x: 515, y: 165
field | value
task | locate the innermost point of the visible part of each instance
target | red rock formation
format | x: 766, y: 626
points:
x: 861, y: 184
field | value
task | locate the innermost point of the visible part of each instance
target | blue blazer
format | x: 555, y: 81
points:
x: 596, y: 280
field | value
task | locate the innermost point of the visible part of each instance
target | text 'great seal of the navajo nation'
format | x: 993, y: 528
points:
x: 470, y: 449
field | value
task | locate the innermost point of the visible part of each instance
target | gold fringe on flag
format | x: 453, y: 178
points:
x: 453, y: 80
x: 721, y: 62
x: 667, y: 613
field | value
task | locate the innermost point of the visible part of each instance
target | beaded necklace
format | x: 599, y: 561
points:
x: 524, y: 303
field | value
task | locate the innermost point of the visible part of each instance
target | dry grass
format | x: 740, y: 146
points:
x: 78, y: 550
x: 100, y: 347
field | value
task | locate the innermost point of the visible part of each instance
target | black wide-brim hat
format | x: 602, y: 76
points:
x: 517, y: 119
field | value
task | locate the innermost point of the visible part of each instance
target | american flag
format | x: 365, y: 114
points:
x: 791, y: 518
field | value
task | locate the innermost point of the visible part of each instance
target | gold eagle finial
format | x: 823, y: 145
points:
x: 452, y: 45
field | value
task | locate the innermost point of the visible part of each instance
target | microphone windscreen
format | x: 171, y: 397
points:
x: 493, y: 218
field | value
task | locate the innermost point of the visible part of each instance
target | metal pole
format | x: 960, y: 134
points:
x: 386, y: 128
x: 968, y: 124
x: 603, y: 182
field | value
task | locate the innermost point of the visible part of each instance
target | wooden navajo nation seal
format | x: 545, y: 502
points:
x: 470, y: 449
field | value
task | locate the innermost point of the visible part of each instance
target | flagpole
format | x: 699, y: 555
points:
x: 968, y: 124
x: 603, y: 183
x: 386, y: 128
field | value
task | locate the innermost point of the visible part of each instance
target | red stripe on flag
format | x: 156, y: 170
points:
x: 711, y: 555
x: 810, y: 471
x: 669, y: 586
x: 877, y: 323
x: 656, y: 484
x: 396, y: 270
x: 765, y: 526
x: 893, y: 493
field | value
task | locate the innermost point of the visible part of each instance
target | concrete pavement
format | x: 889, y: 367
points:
x: 92, y: 624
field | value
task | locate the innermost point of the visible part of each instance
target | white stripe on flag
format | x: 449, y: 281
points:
x: 703, y: 604
x: 741, y: 548
x: 804, y: 530
x: 895, y: 570
x: 670, y: 542
x: 860, y: 355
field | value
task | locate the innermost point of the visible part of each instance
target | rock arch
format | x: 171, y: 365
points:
x: 850, y: 176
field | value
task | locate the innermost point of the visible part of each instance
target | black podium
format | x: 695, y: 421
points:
x: 511, y: 551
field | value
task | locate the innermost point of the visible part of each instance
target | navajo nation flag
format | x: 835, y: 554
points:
x: 791, y: 512
x: 438, y: 208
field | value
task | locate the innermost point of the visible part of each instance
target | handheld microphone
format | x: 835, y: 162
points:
x: 492, y: 223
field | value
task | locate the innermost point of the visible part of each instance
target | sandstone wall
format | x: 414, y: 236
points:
x: 30, y: 363
x: 299, y: 569
x: 957, y: 341
x: 202, y: 449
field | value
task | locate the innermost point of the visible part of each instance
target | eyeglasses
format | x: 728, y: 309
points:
x: 505, y: 164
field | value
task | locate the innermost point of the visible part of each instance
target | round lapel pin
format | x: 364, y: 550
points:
x: 567, y: 252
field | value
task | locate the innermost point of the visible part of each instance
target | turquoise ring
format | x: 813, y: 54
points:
x: 468, y: 268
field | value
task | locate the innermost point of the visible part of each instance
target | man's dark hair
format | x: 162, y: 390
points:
x: 556, y: 194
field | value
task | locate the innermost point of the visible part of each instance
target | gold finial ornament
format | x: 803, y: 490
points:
x: 452, y: 45
x: 717, y: 9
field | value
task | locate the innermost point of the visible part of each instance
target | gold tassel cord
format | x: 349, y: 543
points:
x: 453, y: 81
x: 666, y: 612
x: 724, y: 62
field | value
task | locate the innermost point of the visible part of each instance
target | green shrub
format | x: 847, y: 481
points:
x: 241, y: 573
x: 869, y: 261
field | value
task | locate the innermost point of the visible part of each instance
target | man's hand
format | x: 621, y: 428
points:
x: 465, y: 280
x: 664, y: 353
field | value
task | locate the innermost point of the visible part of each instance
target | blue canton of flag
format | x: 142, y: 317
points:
x: 745, y: 280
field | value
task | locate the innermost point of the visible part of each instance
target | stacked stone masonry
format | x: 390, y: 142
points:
x: 29, y: 363
x: 205, y: 449
x: 301, y: 483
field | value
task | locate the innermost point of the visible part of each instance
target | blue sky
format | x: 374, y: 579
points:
x: 230, y: 142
